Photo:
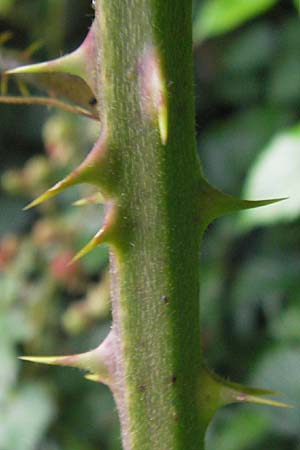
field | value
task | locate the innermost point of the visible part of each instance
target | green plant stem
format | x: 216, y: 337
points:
x: 155, y: 262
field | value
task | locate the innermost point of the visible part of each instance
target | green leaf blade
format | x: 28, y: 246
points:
x: 216, y: 17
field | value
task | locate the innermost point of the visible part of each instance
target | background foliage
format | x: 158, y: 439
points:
x: 247, y: 65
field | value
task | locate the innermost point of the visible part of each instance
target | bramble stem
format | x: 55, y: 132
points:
x: 146, y: 98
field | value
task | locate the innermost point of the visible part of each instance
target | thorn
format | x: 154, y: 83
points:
x: 90, y: 361
x: 96, y: 199
x: 92, y: 377
x: 69, y: 181
x: 153, y: 90
x: 100, y: 361
x: 77, y: 63
x: 104, y: 235
x: 92, y: 170
x: 52, y: 360
x: 215, y: 392
x: 163, y: 123
x: 215, y: 203
x: 261, y: 401
x: 98, y: 239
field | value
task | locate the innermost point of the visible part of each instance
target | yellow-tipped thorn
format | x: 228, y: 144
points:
x: 52, y: 192
x: 99, y: 362
x: 154, y: 90
x: 96, y: 199
x: 262, y: 401
x: 163, y: 123
x: 92, y: 377
x: 51, y: 360
x: 41, y: 199
x: 69, y: 63
x: 104, y: 234
x: 73, y: 63
x: 98, y: 239
x: 81, y: 360
x: 30, y: 68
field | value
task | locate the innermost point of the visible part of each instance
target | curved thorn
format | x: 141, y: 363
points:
x: 51, y: 360
x: 100, y: 238
x: 100, y: 361
x: 92, y: 377
x: 215, y: 203
x: 104, y: 235
x: 215, y: 392
x: 261, y: 401
x: 90, y: 361
x: 163, y: 123
x: 153, y: 90
x: 52, y: 192
x: 95, y: 199
x: 91, y: 170
x: 76, y: 63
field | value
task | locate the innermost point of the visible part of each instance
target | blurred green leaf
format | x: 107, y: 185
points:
x: 279, y: 369
x: 6, y: 5
x: 271, y: 280
x: 285, y: 327
x: 229, y: 147
x: 252, y: 51
x: 284, y: 83
x: 227, y: 428
x: 29, y: 414
x: 220, y: 16
x: 8, y: 373
x: 12, y: 217
x: 275, y: 173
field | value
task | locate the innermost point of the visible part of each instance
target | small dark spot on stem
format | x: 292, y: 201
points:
x: 174, y: 379
x: 93, y: 101
x: 142, y: 388
x: 165, y: 299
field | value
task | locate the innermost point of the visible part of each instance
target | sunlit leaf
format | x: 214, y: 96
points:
x: 275, y: 171
x: 220, y: 16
